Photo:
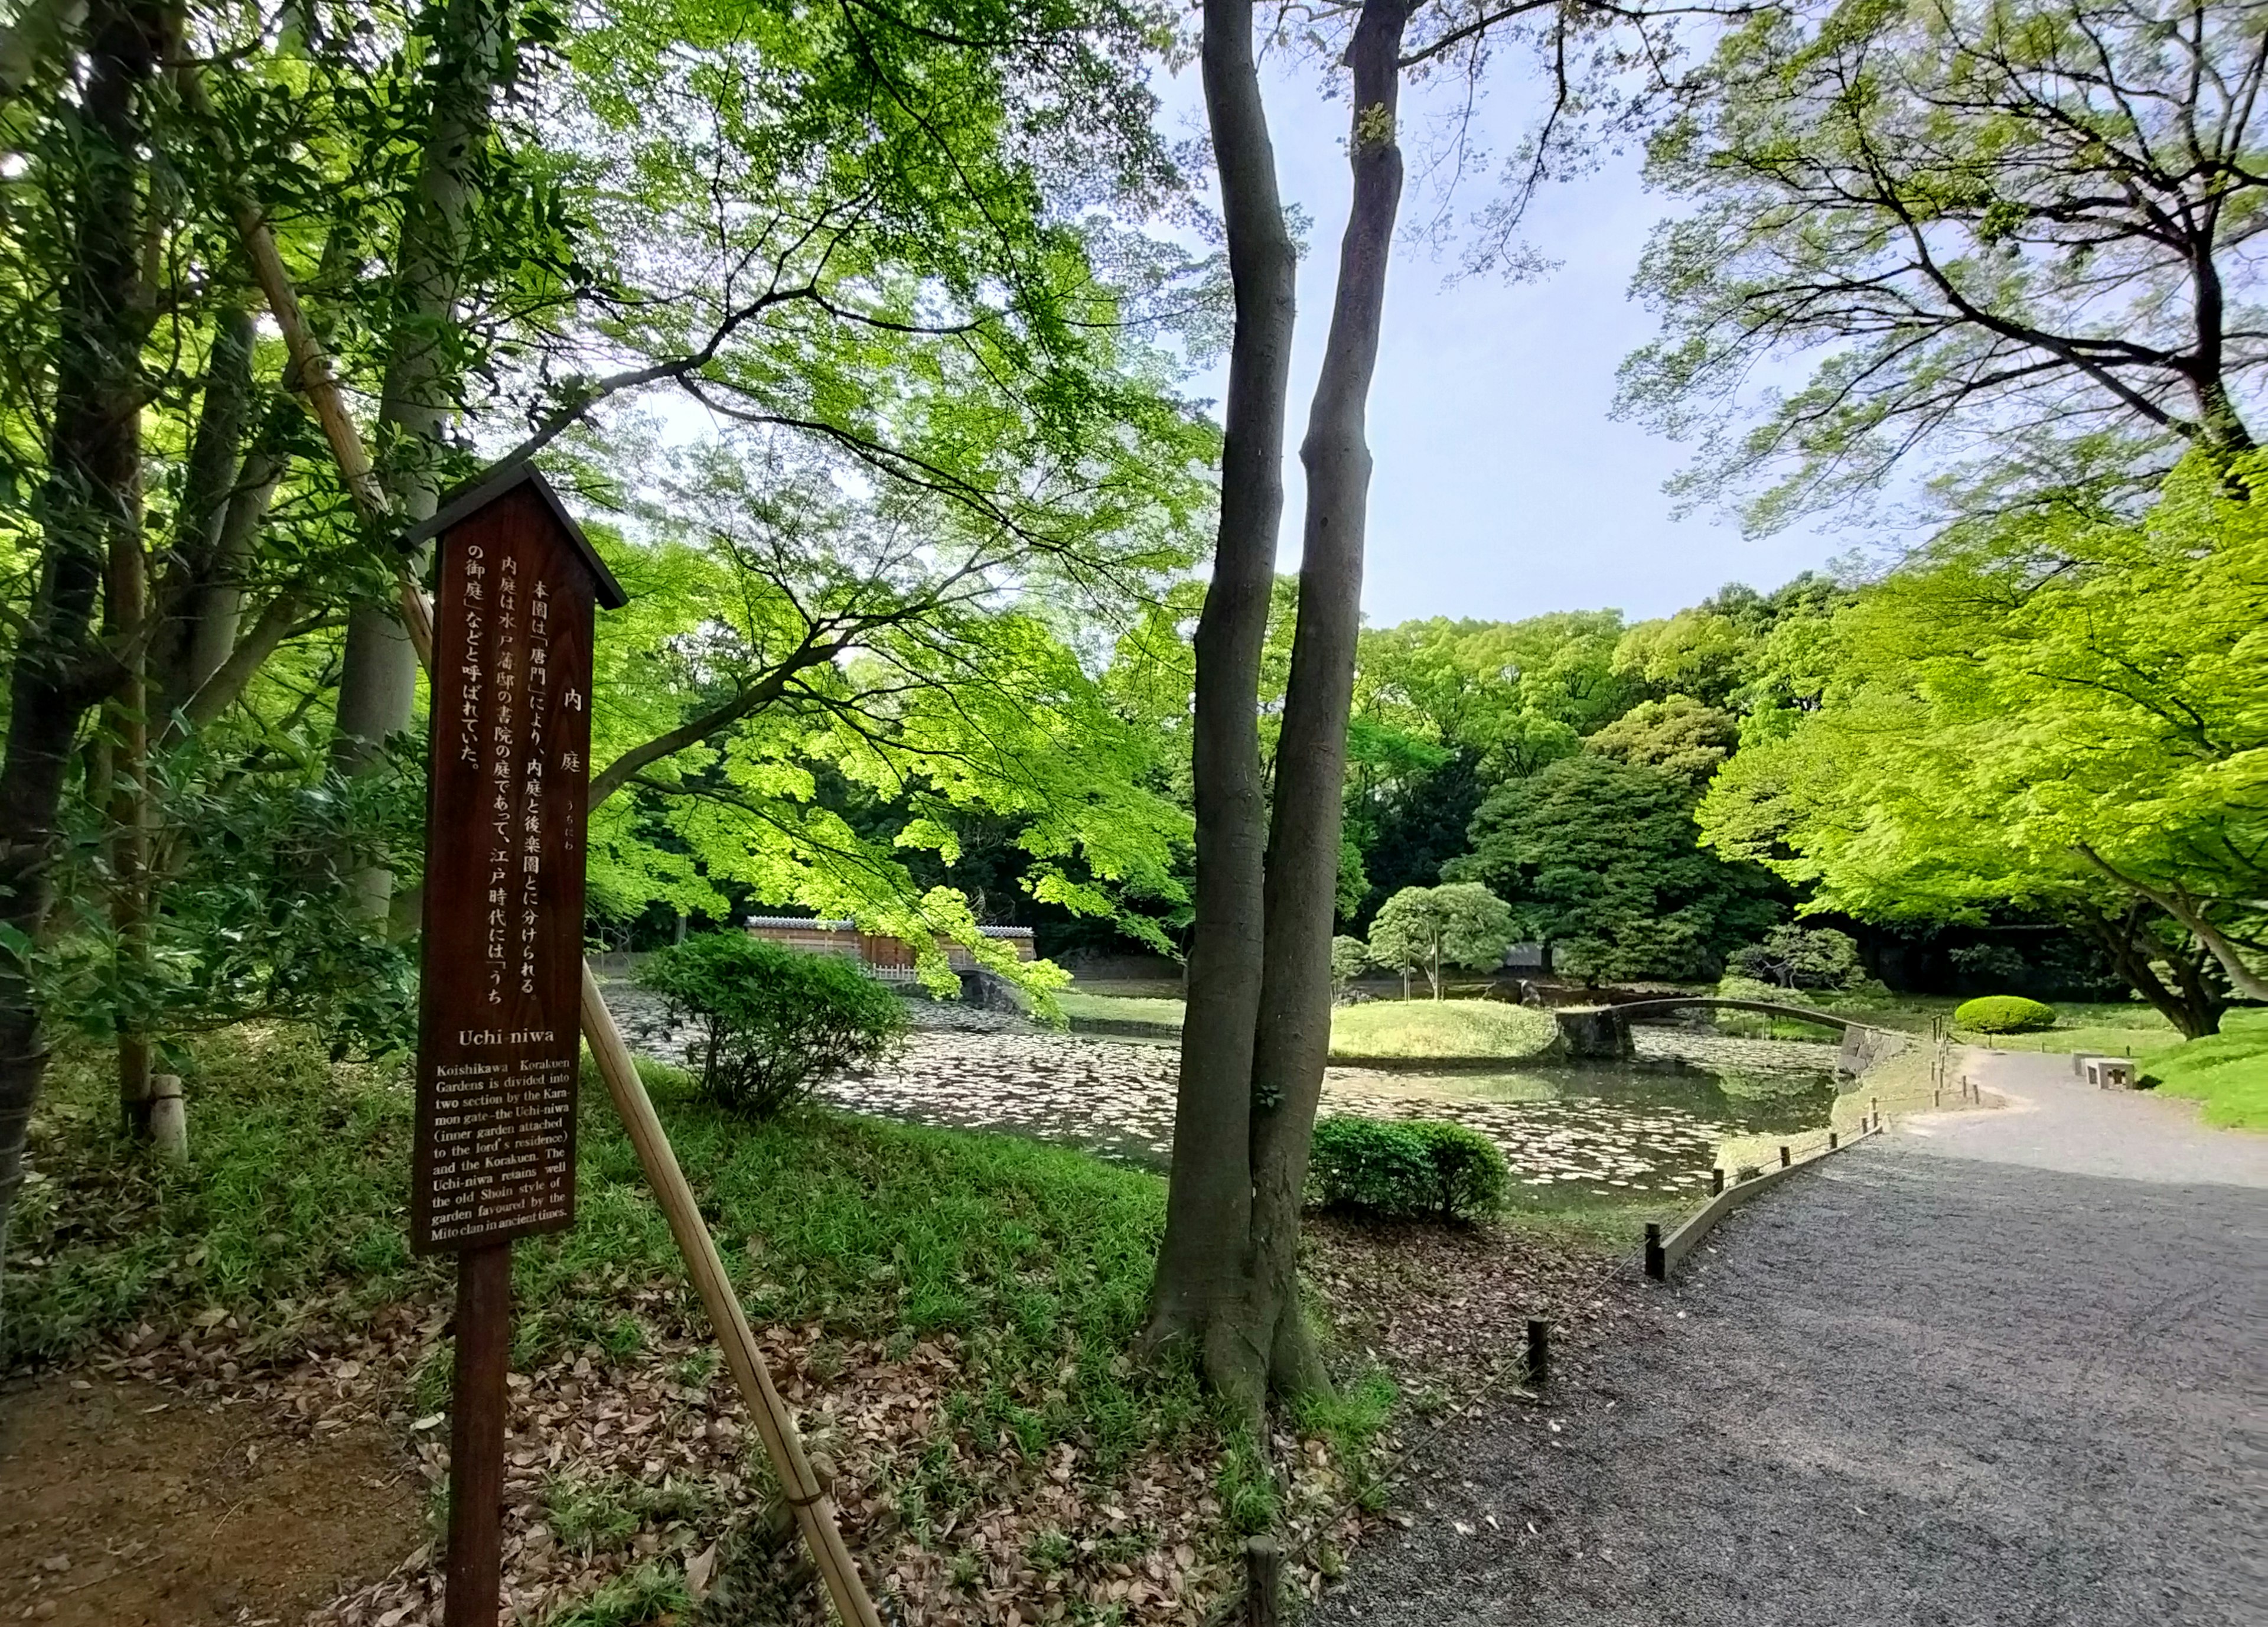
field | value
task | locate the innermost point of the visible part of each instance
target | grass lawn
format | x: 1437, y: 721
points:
x: 1447, y: 1029
x: 1439, y: 1028
x: 953, y: 1313
x: 294, y: 1208
x: 2227, y: 1071
x: 855, y: 1240
x: 1077, y: 1003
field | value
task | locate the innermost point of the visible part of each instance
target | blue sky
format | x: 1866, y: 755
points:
x: 1502, y: 487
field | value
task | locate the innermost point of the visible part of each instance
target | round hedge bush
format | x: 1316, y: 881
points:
x: 772, y: 1022
x: 2004, y: 1014
x: 1405, y: 1169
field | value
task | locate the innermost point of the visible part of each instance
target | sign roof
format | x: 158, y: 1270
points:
x: 468, y: 500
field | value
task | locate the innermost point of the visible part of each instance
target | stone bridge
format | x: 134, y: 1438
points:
x: 1602, y: 1033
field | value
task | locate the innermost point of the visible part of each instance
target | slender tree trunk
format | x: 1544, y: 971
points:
x: 217, y: 617
x: 127, y: 719
x: 1238, y: 1284
x: 195, y: 584
x: 2199, y: 999
x: 2212, y: 941
x: 377, y: 686
x: 92, y: 497
x: 1203, y: 1261
x: 1303, y: 840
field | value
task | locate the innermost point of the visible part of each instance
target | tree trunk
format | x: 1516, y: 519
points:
x: 191, y: 577
x: 127, y: 719
x: 1294, y: 1035
x: 377, y: 684
x: 2217, y: 944
x: 92, y: 497
x: 2187, y: 912
x: 2191, y: 1009
x: 1252, y: 1068
x: 217, y: 616
x: 1203, y: 1260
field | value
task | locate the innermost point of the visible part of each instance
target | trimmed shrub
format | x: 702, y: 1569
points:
x: 773, y: 1021
x: 1405, y: 1170
x: 1792, y: 957
x: 2003, y: 1014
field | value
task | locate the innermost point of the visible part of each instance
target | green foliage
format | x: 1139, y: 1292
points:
x: 1794, y: 957
x: 1680, y: 737
x: 1889, y: 197
x: 1406, y: 1169
x: 258, y: 922
x: 773, y: 1023
x: 2048, y: 712
x: 2003, y: 1014
x: 292, y: 1207
x: 1700, y: 656
x: 1515, y: 694
x: 901, y: 255
x: 1350, y: 957
x: 290, y: 1214
x: 1425, y: 929
x: 594, y: 1515
x: 1598, y: 860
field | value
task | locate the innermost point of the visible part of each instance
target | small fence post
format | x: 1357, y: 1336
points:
x: 1783, y: 1156
x: 1263, y: 1569
x: 1716, y: 1181
x: 1657, y: 1266
x: 1539, y: 1352
x: 1832, y: 1141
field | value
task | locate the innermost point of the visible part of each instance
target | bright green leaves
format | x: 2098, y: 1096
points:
x: 2027, y: 694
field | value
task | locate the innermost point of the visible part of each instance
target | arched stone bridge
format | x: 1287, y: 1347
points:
x: 1602, y: 1033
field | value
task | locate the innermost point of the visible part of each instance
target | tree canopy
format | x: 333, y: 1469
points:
x: 1600, y: 861
x: 2049, y: 712
x: 2018, y: 234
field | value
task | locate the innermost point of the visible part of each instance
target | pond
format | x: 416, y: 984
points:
x: 1632, y: 1131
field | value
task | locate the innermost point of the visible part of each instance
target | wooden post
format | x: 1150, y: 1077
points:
x: 169, y: 1121
x: 476, y: 1432
x: 1783, y: 1158
x: 1539, y: 1351
x: 1830, y: 1140
x: 1716, y: 1181
x: 1657, y: 1265
x: 1263, y: 1573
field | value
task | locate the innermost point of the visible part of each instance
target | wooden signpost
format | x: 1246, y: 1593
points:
x: 499, y: 1025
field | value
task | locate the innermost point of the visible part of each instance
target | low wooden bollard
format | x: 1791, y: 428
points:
x: 1833, y: 1141
x: 1656, y: 1266
x: 1716, y: 1181
x: 1539, y: 1352
x: 1263, y: 1572
x: 169, y: 1118
x: 1783, y: 1158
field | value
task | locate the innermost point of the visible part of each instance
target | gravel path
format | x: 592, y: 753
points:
x: 1946, y: 1379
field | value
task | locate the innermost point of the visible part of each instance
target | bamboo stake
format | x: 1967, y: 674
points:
x: 807, y: 1495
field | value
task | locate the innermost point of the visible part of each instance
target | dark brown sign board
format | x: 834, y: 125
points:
x: 499, y: 1027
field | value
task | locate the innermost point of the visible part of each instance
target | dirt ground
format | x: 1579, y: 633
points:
x: 124, y: 1504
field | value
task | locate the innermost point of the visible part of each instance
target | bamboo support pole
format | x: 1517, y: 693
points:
x: 815, y: 1509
